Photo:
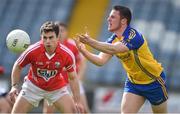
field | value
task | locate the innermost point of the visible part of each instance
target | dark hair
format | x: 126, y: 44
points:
x: 50, y: 26
x: 124, y: 12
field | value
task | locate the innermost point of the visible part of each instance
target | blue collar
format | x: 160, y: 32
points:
x: 126, y: 32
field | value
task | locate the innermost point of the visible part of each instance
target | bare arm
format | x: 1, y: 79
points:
x: 15, y: 77
x: 99, y: 60
x: 103, y: 46
x: 82, y: 68
x: 74, y: 85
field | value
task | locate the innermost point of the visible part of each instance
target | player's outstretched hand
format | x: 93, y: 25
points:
x: 79, y: 45
x: 84, y: 38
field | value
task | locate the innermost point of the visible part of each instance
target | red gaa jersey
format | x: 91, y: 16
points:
x: 45, y: 70
x: 70, y: 44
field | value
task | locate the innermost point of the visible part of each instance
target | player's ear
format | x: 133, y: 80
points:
x: 124, y: 21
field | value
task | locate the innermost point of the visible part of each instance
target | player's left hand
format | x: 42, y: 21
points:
x: 79, y: 45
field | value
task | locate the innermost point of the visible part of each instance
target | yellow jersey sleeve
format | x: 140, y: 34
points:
x: 139, y: 63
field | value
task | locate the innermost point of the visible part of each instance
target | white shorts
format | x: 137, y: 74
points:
x: 34, y: 94
x: 81, y: 88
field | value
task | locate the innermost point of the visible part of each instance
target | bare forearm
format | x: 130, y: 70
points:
x: 107, y: 47
x: 95, y: 59
x: 104, y: 47
x: 74, y: 85
x: 15, y: 76
x: 101, y: 46
x: 82, y: 68
x: 75, y: 89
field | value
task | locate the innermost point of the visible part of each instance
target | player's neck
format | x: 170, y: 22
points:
x: 50, y: 51
x: 120, y: 31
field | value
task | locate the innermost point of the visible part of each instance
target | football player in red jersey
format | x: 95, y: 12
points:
x: 80, y: 67
x: 44, y: 81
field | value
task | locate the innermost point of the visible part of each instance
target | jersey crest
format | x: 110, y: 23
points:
x: 57, y: 64
x: 132, y: 34
x: 46, y: 74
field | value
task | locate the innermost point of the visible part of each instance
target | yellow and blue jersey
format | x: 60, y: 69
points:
x: 139, y: 62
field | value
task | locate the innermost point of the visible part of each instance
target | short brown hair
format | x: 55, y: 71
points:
x: 125, y: 12
x: 50, y: 26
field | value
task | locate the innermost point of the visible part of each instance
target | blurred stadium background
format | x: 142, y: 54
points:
x: 158, y: 20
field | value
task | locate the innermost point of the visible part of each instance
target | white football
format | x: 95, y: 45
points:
x: 17, y: 41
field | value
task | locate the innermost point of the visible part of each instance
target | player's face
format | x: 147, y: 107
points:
x: 114, y: 21
x: 50, y: 40
x: 63, y: 34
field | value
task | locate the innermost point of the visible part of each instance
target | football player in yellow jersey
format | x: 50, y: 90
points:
x: 146, y: 79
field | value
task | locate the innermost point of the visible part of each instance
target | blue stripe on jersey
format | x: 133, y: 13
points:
x: 132, y: 38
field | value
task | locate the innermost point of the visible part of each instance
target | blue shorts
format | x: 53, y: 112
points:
x: 155, y: 92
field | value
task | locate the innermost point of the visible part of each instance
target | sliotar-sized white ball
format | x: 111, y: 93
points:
x: 17, y: 41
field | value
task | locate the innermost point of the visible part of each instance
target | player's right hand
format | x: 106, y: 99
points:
x: 13, y: 94
x: 80, y: 108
